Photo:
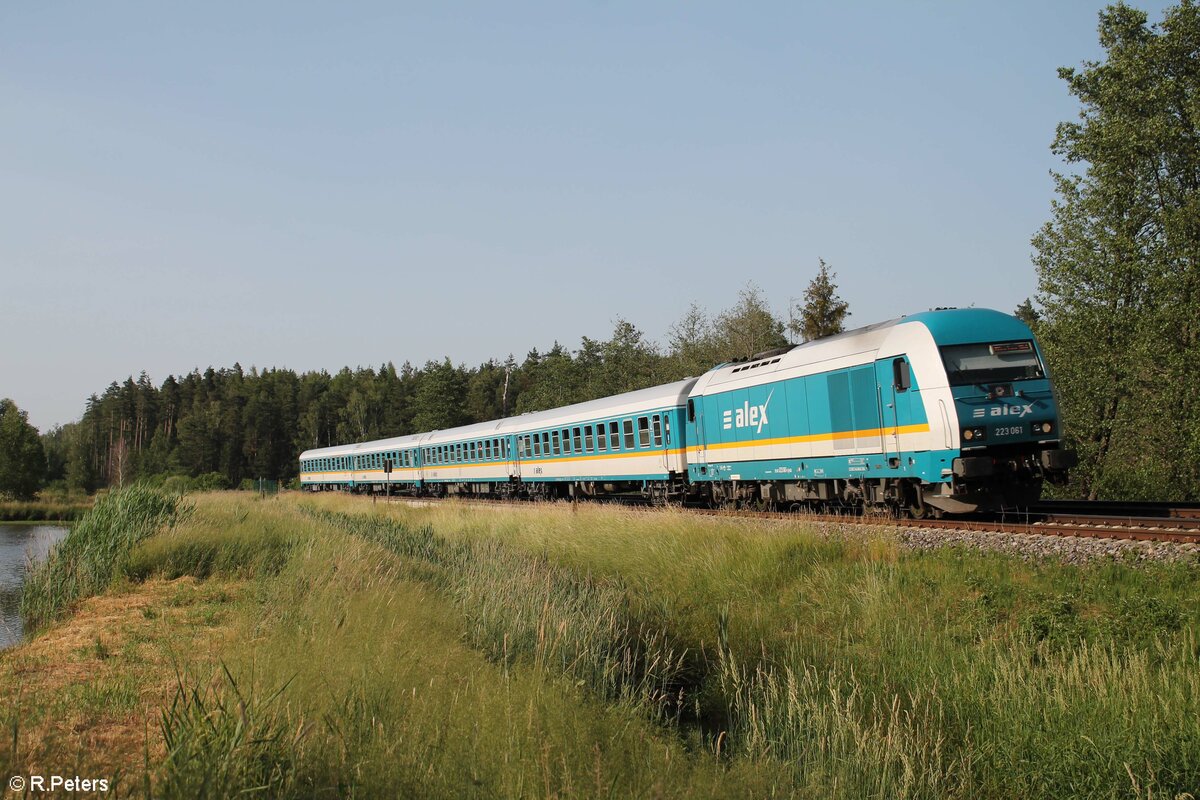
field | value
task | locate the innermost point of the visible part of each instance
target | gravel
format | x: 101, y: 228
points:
x: 1068, y: 549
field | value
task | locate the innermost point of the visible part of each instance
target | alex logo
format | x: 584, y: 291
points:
x: 747, y: 416
x: 1017, y: 411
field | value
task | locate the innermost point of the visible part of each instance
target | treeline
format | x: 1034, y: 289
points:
x: 232, y: 424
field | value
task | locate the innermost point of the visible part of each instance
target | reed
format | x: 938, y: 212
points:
x: 94, y: 551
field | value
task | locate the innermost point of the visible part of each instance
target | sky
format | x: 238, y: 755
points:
x: 316, y: 185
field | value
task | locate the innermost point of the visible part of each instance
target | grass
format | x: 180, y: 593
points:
x: 329, y: 647
x: 42, y: 510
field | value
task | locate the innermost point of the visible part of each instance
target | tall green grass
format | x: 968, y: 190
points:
x: 222, y: 741
x: 450, y: 652
x: 527, y: 609
x: 94, y: 551
x: 858, y: 666
x: 387, y: 691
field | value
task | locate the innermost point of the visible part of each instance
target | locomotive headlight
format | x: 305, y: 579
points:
x: 1045, y: 427
x: 968, y: 434
x: 972, y: 434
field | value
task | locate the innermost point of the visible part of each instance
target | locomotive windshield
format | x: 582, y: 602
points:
x: 991, y: 362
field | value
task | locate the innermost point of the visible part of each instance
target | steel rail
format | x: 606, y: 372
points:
x: 1178, y: 529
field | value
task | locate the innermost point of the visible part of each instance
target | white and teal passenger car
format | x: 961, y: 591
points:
x: 942, y: 411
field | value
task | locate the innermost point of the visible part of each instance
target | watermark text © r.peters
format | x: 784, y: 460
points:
x: 57, y: 783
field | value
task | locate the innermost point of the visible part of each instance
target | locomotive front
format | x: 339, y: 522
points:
x: 1009, y: 430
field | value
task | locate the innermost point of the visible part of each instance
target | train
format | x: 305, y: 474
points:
x: 941, y: 412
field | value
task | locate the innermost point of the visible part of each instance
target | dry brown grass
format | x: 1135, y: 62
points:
x: 89, y: 691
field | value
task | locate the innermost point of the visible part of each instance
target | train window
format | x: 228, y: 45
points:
x: 614, y: 436
x: 546, y: 443
x: 522, y: 448
x: 589, y: 444
x: 537, y: 445
x: 985, y: 363
x: 643, y: 432
x: 667, y: 428
x: 555, y: 443
x: 901, y: 375
x: 566, y: 440
x: 601, y: 438
x: 691, y: 410
x: 627, y: 424
x: 657, y: 422
x: 487, y: 449
x: 578, y: 438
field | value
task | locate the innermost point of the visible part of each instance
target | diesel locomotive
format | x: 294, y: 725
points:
x: 941, y: 412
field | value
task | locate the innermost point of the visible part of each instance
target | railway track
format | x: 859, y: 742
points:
x: 1146, y: 522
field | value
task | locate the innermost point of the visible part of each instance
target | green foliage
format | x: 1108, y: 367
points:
x: 94, y: 551
x: 1027, y: 313
x: 822, y: 313
x: 42, y: 510
x: 749, y: 327
x: 223, y: 741
x: 1119, y: 262
x: 22, y: 461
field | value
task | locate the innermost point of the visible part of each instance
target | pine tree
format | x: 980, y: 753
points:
x: 822, y: 313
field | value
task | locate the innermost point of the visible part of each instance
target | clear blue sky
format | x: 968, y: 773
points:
x: 318, y: 185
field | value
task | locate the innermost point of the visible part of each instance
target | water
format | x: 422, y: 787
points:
x: 18, y: 544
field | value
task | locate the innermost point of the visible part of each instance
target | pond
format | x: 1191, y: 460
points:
x: 18, y: 544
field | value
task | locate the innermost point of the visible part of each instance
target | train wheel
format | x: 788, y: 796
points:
x: 924, y: 512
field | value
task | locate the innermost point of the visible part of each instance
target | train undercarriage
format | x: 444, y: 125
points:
x: 992, y: 480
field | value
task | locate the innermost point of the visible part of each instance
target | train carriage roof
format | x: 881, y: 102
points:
x: 671, y: 395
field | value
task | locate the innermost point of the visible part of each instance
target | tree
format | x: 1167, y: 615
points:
x: 441, y: 396
x: 822, y: 313
x: 22, y: 461
x: 747, y: 328
x: 1119, y: 262
x: 628, y: 362
x: 1027, y: 313
x: 692, y: 343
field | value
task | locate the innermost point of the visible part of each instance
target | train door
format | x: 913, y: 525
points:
x: 894, y: 379
x: 658, y: 439
x: 696, y: 452
x: 516, y: 445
